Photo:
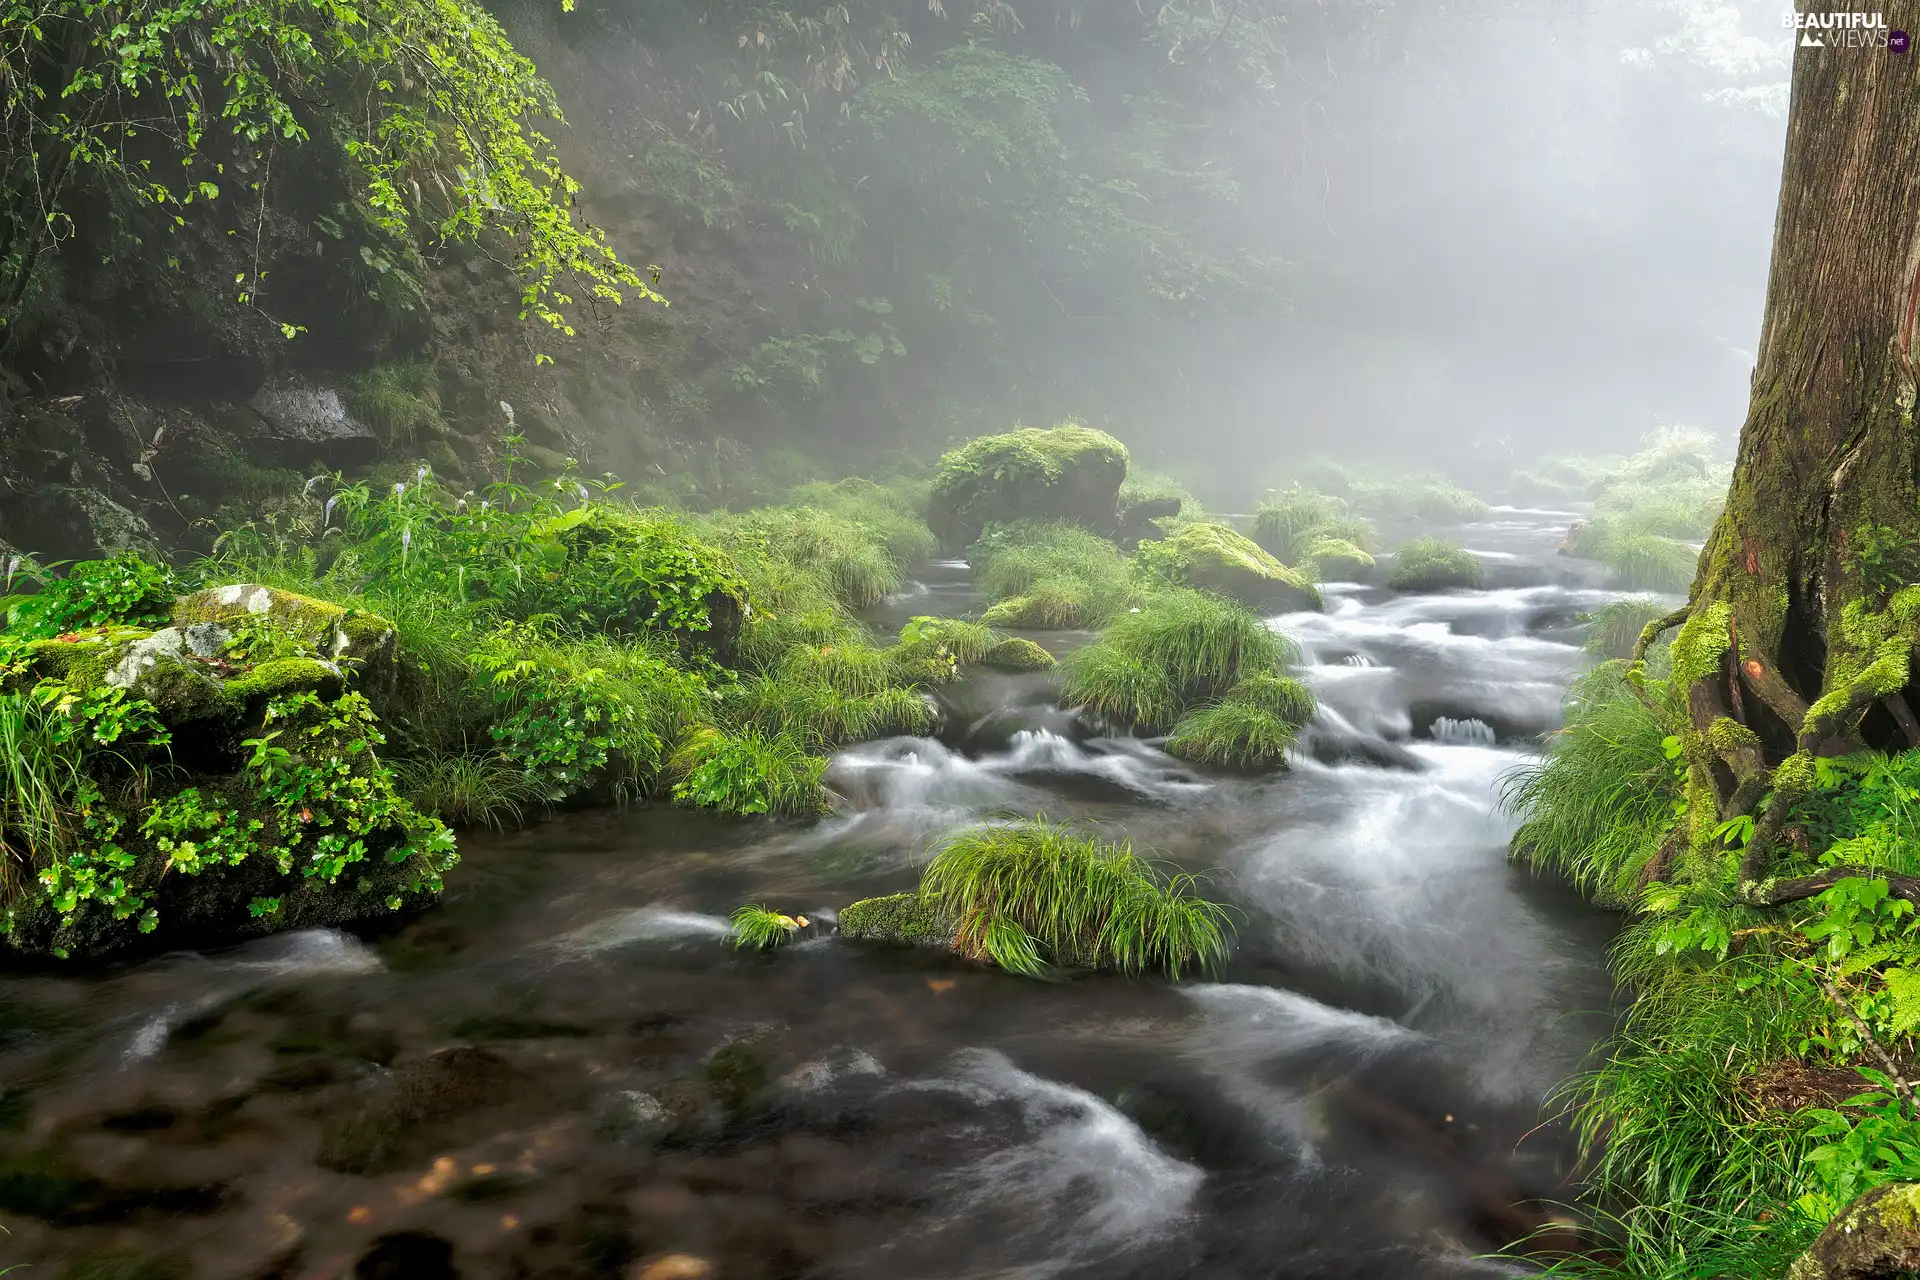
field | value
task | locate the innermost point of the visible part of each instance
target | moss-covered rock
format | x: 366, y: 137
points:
x: 1018, y: 654
x: 1334, y: 557
x: 282, y: 676
x: 364, y: 645
x: 1067, y: 473
x: 1215, y: 558
x: 1434, y: 564
x: 905, y: 919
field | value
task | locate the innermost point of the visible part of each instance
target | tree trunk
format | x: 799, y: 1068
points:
x: 1800, y: 623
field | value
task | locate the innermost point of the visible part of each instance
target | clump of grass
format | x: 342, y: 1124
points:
x: 1614, y: 628
x: 1641, y: 560
x: 1050, y: 575
x: 1595, y: 808
x: 816, y: 713
x: 1180, y: 648
x: 1250, y: 727
x: 749, y: 771
x: 400, y: 401
x: 1034, y: 895
x: 1433, y: 564
x: 1289, y: 520
x: 1419, y: 496
x: 761, y: 928
x: 468, y: 790
x: 40, y: 772
x: 893, y: 514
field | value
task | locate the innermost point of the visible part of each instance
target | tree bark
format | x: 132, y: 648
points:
x: 1800, y: 624
x: 1877, y: 1237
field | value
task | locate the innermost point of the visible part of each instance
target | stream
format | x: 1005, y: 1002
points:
x: 562, y: 1071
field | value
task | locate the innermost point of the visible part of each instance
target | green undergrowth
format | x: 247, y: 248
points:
x: 1418, y: 495
x: 1743, y: 1100
x: 1649, y: 509
x: 389, y: 657
x: 1033, y: 896
x: 1303, y: 527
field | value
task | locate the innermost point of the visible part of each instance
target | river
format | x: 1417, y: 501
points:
x: 562, y: 1071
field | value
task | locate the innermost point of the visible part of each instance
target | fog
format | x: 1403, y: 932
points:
x: 1515, y: 228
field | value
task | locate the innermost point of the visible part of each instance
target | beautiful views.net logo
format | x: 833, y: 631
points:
x: 1845, y: 30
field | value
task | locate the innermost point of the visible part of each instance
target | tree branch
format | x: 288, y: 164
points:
x: 1779, y: 892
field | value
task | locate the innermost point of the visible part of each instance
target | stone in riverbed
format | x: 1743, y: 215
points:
x: 905, y: 919
x: 1018, y: 654
x: 1216, y: 558
x: 1067, y: 473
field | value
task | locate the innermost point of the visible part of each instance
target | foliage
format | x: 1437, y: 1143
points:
x: 400, y: 401
x: 1596, y: 806
x: 1290, y: 520
x: 423, y: 105
x: 1433, y: 564
x: 749, y: 771
x: 128, y: 589
x: 1033, y: 895
x: 1640, y: 560
x: 760, y: 928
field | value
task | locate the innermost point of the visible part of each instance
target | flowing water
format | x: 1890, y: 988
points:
x: 563, y: 1072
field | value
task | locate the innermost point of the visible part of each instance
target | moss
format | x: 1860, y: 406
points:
x: 1727, y: 736
x: 1213, y: 557
x: 1070, y: 472
x: 1702, y: 642
x: 1333, y: 555
x: 367, y: 642
x: 83, y: 663
x: 287, y: 675
x: 902, y: 918
x: 1018, y: 654
x: 1033, y: 613
x: 736, y: 1077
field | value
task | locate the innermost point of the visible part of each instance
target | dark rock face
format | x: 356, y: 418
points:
x: 1135, y: 524
x: 298, y: 424
x: 69, y: 522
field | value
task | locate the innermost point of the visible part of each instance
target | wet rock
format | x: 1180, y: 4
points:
x: 675, y: 1266
x: 1018, y: 654
x: 1068, y: 473
x: 157, y: 668
x: 72, y: 523
x: 407, y: 1255
x: 298, y: 424
x: 1215, y: 558
x: 1136, y: 524
x: 904, y: 919
x: 373, y: 1136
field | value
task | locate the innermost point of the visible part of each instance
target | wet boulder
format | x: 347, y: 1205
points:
x: 295, y: 423
x: 1338, y: 558
x: 1137, y: 523
x: 1214, y: 558
x: 1017, y: 654
x: 1067, y: 473
x: 903, y: 919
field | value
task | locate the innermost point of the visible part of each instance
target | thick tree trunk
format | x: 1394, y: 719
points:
x: 1798, y: 633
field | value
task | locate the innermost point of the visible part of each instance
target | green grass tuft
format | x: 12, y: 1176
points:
x: 401, y: 402
x: 1050, y: 575
x: 749, y: 771
x: 761, y: 928
x: 1614, y: 628
x: 469, y: 790
x: 1180, y: 648
x: 1034, y: 895
x: 1434, y: 564
x: 1232, y: 735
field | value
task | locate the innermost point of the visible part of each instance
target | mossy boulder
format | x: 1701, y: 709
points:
x: 364, y: 646
x: 1215, y: 558
x: 1067, y: 473
x: 1018, y: 654
x: 1434, y: 564
x: 1337, y: 557
x: 903, y: 919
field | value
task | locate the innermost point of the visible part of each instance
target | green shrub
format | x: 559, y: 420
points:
x: 127, y: 589
x: 815, y: 712
x: 1433, y: 564
x: 1034, y: 895
x: 749, y: 771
